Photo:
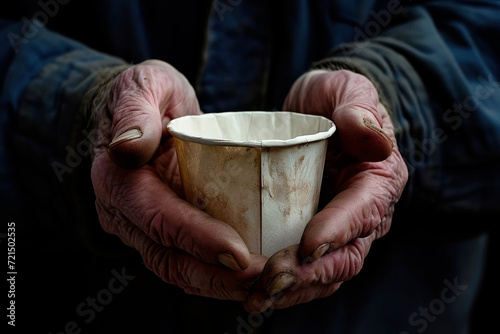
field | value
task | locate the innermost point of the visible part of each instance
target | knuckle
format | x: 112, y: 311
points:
x: 158, y: 229
x: 356, y: 253
x: 165, y: 264
x: 345, y: 263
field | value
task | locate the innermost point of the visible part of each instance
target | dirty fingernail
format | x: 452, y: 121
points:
x: 267, y: 304
x: 372, y: 126
x: 281, y: 282
x: 126, y: 136
x: 229, y: 261
x: 318, y: 252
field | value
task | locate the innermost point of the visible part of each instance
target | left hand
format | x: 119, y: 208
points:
x: 138, y: 187
x: 364, y: 177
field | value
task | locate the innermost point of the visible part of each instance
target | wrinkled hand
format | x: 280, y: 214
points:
x: 137, y: 182
x: 363, y: 179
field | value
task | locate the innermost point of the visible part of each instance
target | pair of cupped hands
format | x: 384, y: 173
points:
x: 139, y: 197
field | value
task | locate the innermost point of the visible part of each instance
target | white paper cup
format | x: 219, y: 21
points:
x: 258, y: 171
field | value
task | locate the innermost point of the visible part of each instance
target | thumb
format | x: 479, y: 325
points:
x: 358, y: 116
x: 351, y: 101
x: 140, y: 99
x: 360, y: 134
x: 134, y: 146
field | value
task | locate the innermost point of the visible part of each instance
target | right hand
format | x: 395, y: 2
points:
x: 137, y: 186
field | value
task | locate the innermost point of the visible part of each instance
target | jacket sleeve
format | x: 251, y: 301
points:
x: 436, y: 68
x: 46, y: 134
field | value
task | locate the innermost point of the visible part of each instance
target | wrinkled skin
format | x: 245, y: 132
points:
x: 141, y: 203
x: 137, y: 186
x: 364, y: 177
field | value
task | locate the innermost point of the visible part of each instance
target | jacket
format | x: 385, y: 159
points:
x: 435, y: 64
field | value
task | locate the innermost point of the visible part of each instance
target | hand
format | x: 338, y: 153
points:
x: 363, y: 179
x: 137, y: 187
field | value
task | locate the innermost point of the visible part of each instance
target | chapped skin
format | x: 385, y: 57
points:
x: 364, y: 177
x: 139, y: 198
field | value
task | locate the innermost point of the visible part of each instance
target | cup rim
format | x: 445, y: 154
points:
x: 174, y: 125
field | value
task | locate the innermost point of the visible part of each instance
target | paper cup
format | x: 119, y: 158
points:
x: 259, y: 172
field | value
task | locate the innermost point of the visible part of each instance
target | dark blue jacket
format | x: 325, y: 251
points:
x: 436, y: 65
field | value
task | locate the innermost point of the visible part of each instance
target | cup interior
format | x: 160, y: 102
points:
x: 252, y: 128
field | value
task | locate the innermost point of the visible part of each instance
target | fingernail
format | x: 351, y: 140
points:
x: 318, y: 252
x: 280, y: 282
x: 267, y: 304
x: 229, y: 261
x: 372, y: 126
x: 126, y: 136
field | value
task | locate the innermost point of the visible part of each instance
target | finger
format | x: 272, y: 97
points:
x: 141, y: 197
x: 291, y: 281
x: 362, y: 205
x: 196, y: 277
x: 365, y: 195
x: 143, y: 99
x: 351, y: 101
x: 360, y: 135
x: 286, y: 270
x: 185, y: 271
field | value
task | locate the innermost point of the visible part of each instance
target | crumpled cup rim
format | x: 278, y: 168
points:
x: 302, y: 139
